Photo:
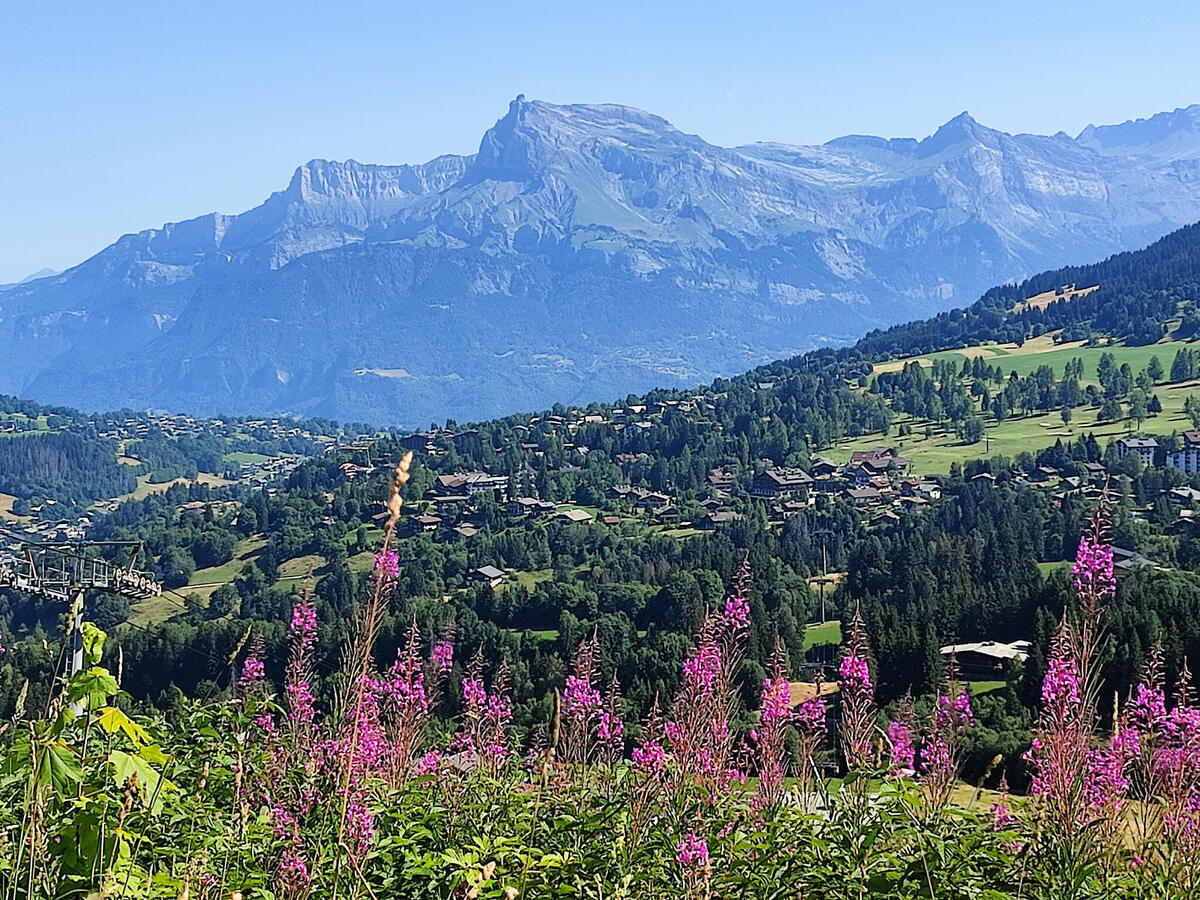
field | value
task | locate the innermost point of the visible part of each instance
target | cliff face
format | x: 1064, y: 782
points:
x: 583, y: 252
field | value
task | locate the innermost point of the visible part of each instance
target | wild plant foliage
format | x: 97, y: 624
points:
x: 411, y: 782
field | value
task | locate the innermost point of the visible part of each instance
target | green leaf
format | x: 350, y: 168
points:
x: 58, y: 766
x: 93, y: 642
x: 111, y: 719
x: 150, y: 783
x: 95, y: 685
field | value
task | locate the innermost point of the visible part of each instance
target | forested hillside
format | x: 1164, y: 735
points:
x: 847, y: 496
x: 651, y: 502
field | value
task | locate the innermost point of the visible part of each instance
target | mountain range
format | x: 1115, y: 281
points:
x: 584, y: 252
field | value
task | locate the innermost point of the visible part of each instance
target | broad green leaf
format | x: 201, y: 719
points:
x: 111, y: 718
x: 58, y: 766
x: 93, y: 642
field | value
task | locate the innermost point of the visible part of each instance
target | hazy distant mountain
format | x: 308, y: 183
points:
x: 40, y: 273
x: 583, y: 252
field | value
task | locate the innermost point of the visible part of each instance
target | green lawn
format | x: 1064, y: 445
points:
x: 241, y: 458
x: 1047, y: 567
x: 529, y: 580
x: 243, y: 551
x: 827, y: 633
x: 361, y: 562
x: 301, y: 566
x: 158, y: 609
x: 975, y: 688
x: 1029, y: 433
x: 1043, y: 351
x: 681, y: 533
x: 145, y: 488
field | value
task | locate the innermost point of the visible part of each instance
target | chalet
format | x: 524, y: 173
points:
x: 885, y: 517
x: 465, y: 530
x: 720, y: 478
x: 986, y: 659
x: 421, y: 442
x: 1126, y: 561
x: 575, y: 516
x: 985, y: 477
x: 781, y: 482
x: 780, y: 511
x: 880, y: 460
x: 1042, y: 474
x: 651, y: 499
x: 489, y: 575
x: 665, y: 513
x: 722, y: 517
x: 448, y: 504
x: 1145, y: 448
x: 1094, y: 471
x: 529, y: 506
x: 857, y: 475
x: 611, y: 520
x: 425, y: 524
x: 469, y: 483
x: 922, y: 488
x: 1183, y: 496
x: 824, y: 473
x: 867, y: 496
x: 1187, y: 457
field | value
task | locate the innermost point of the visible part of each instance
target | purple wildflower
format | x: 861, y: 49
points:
x: 692, y: 852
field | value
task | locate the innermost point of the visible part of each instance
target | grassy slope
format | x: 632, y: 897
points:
x: 935, y: 454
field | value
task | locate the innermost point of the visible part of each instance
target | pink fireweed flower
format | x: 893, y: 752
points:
x: 737, y: 612
x: 810, y: 716
x: 702, y: 669
x: 1093, y: 571
x: 776, y: 700
x: 442, y: 655
x: 474, y: 695
x: 387, y: 565
x: 1060, y: 687
x: 904, y: 753
x: 360, y: 823
x: 293, y: 871
x: 857, y: 697
x: 430, y: 763
x: 1002, y: 815
x: 303, y: 629
x: 854, y: 676
x: 609, y: 728
x: 301, y: 709
x: 650, y: 758
x: 1149, y: 707
x: 1105, y: 783
x: 954, y: 711
x: 692, y: 852
x: 579, y: 698
x: 498, y: 718
x: 253, y: 673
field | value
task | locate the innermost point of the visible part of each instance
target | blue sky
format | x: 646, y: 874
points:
x: 118, y: 117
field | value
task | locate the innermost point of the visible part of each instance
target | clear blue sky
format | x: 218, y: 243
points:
x: 116, y: 117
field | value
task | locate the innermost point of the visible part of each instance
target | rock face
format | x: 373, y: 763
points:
x: 582, y: 253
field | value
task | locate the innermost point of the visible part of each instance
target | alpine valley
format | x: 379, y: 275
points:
x: 583, y: 252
